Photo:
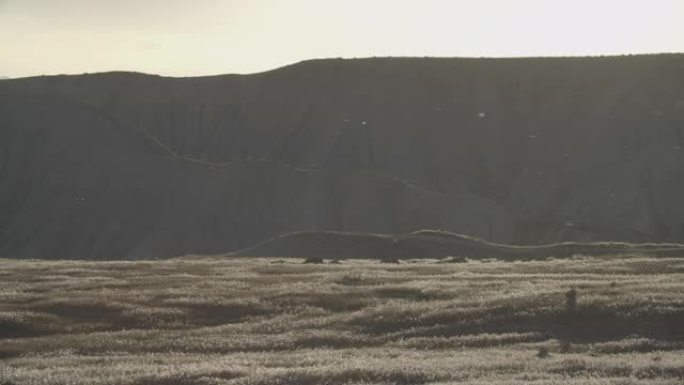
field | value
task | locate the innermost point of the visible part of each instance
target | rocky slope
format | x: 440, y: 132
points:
x: 508, y: 150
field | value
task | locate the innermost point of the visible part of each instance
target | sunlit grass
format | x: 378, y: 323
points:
x: 268, y: 321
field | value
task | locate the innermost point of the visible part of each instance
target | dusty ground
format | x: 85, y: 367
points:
x: 267, y: 321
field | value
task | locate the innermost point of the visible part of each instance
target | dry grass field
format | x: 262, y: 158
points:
x: 270, y: 321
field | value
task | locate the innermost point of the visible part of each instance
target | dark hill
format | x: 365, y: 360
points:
x: 434, y: 244
x: 509, y: 150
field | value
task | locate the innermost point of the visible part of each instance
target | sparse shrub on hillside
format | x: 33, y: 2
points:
x: 565, y: 346
x: 316, y: 260
x: 543, y: 352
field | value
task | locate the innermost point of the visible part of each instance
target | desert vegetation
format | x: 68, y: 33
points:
x: 582, y: 320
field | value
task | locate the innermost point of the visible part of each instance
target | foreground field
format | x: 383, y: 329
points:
x: 267, y: 321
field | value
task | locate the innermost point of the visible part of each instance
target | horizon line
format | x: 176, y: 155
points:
x: 298, y: 62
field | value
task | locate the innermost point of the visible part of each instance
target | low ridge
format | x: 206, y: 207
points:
x: 435, y: 244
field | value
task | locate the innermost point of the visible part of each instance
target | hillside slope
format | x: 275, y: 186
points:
x: 508, y: 150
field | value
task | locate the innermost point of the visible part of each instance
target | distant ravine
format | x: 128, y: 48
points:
x: 515, y: 151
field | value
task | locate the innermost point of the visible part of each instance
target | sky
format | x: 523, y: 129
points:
x: 207, y: 37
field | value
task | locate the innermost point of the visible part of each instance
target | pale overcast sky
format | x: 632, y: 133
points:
x: 204, y: 37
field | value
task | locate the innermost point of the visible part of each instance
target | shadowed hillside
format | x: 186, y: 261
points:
x: 435, y: 244
x: 522, y: 151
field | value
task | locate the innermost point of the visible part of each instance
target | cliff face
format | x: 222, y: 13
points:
x: 509, y: 150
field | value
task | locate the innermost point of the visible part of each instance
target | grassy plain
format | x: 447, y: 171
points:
x: 279, y: 321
